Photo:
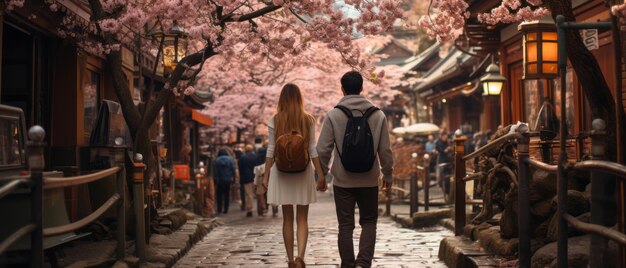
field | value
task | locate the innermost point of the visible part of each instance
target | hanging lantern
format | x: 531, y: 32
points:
x: 541, y: 53
x: 492, y: 80
x: 174, y: 47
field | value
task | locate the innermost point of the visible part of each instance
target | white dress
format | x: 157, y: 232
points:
x: 291, y: 188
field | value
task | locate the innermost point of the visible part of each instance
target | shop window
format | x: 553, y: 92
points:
x: 533, y: 99
x: 91, y: 91
x: 569, y: 98
x: 10, y: 143
x: 537, y: 91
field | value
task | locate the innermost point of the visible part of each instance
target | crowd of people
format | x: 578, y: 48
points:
x: 440, y: 148
x: 238, y: 169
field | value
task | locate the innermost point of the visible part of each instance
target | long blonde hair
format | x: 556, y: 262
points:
x: 290, y: 114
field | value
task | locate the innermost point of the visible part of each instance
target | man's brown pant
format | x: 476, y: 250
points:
x: 367, y: 200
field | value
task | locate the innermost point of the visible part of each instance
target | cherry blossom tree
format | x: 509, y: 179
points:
x: 447, y: 19
x: 263, y: 30
x: 249, y: 90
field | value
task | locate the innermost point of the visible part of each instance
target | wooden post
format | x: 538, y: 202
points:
x: 459, y: 182
x: 546, y: 152
x: 561, y: 255
x: 603, y: 198
x: 413, y: 187
x: 138, y: 196
x: 36, y: 163
x: 619, y: 110
x: 119, y: 154
x: 523, y: 201
x: 426, y: 181
x: 199, y: 189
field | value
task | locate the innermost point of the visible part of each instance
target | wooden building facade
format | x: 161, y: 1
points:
x: 525, y: 96
x: 62, y: 88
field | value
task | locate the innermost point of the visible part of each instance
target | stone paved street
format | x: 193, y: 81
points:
x: 257, y: 242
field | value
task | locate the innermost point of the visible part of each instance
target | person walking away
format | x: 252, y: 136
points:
x: 356, y: 184
x: 246, y: 176
x: 444, y: 156
x: 259, y: 172
x: 224, y: 176
x: 242, y: 193
x: 289, y: 173
x: 430, y: 144
x: 235, y: 194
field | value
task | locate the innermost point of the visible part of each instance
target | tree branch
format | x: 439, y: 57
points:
x: 253, y: 15
x: 120, y: 84
x: 165, y: 94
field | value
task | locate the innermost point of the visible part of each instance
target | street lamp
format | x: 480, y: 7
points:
x: 174, y: 47
x: 540, y: 49
x: 492, y: 80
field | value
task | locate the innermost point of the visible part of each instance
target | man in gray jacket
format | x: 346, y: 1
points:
x: 355, y: 188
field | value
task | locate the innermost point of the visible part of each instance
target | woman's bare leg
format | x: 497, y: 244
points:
x: 288, y: 230
x: 303, y: 228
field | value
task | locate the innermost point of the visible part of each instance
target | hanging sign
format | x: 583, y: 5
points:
x: 590, y: 38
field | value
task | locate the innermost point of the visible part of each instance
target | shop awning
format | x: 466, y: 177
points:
x: 462, y: 90
x: 201, y: 118
x: 416, y: 63
x: 456, y: 64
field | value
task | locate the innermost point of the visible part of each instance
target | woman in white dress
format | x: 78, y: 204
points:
x: 289, y: 189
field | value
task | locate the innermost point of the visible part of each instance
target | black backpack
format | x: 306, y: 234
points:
x: 358, y: 153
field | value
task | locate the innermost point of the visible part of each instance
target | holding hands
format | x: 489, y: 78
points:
x: 321, y: 182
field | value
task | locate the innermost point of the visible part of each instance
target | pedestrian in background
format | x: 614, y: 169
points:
x: 238, y: 150
x: 259, y: 172
x: 430, y: 144
x: 292, y: 189
x: 246, y: 177
x: 235, y: 189
x: 352, y: 188
x: 444, y: 158
x: 224, y: 176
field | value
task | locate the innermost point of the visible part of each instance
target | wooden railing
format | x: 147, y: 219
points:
x: 521, y: 180
x: 599, y: 201
x: 422, y: 167
x: 602, y: 176
x: 37, y: 183
x: 34, y: 228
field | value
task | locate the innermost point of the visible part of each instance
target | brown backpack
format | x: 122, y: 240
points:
x: 291, y: 154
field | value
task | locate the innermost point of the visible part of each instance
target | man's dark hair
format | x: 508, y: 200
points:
x: 352, y: 83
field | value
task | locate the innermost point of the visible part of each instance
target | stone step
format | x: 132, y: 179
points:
x: 423, y: 218
x: 166, y: 250
x: 456, y: 251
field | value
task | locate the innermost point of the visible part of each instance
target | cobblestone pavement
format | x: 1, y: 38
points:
x: 257, y: 242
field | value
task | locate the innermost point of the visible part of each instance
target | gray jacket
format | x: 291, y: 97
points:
x: 331, y: 137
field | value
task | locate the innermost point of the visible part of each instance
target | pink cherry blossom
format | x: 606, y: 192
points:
x: 446, y: 19
x: 249, y: 90
x: 244, y: 51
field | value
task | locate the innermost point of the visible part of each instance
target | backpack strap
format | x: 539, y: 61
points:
x: 345, y: 110
x: 370, y: 111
